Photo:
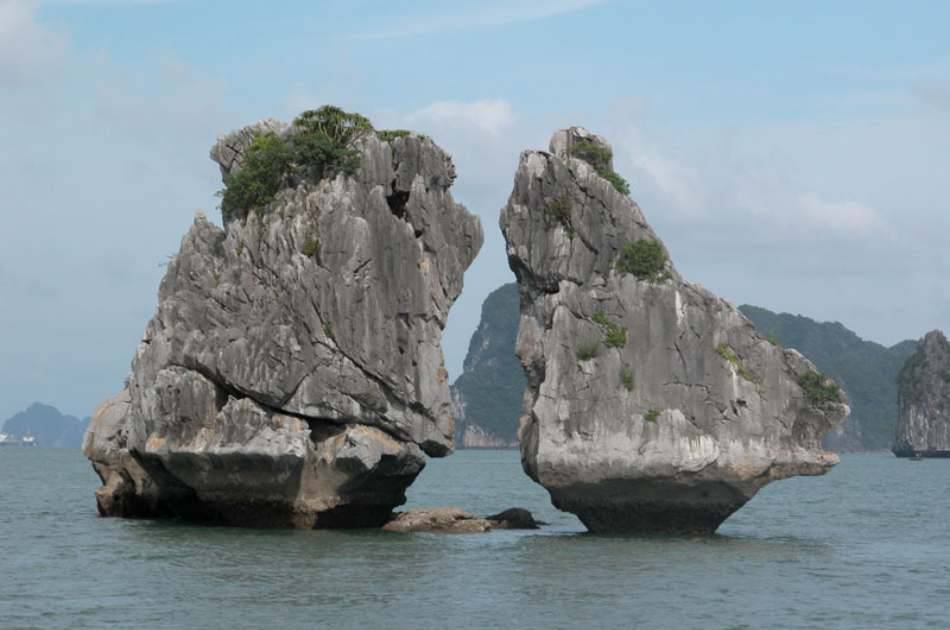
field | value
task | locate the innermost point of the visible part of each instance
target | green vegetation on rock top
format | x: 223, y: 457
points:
x: 819, y: 389
x: 646, y: 259
x: 599, y: 157
x: 266, y: 163
x: 319, y: 145
x: 388, y: 135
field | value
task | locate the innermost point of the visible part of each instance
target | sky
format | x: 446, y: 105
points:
x: 790, y: 155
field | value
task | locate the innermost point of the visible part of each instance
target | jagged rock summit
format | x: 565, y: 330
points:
x: 652, y: 404
x: 293, y: 372
x: 923, y: 400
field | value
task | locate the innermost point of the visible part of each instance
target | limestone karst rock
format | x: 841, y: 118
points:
x: 652, y: 404
x: 923, y: 400
x: 293, y: 372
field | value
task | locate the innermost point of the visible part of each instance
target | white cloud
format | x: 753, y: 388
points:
x: 678, y: 184
x: 739, y: 180
x: 100, y: 179
x: 486, y: 15
x: 491, y: 115
x: 846, y: 217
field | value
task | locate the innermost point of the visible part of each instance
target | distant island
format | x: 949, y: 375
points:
x: 488, y: 393
x: 50, y: 427
x: 923, y: 426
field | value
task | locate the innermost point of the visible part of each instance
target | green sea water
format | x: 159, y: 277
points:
x: 866, y: 546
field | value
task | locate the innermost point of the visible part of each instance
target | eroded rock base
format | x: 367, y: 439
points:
x: 651, y: 507
x: 116, y: 498
x: 655, y: 519
x: 924, y: 454
x: 331, y: 476
x: 119, y: 497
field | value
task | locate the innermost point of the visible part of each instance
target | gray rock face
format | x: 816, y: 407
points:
x: 923, y: 424
x: 293, y: 373
x: 652, y: 404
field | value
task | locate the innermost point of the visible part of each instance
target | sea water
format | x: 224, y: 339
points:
x: 865, y: 546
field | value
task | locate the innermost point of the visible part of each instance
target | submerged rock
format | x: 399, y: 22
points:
x: 515, y: 518
x: 452, y: 520
x: 293, y: 372
x: 923, y: 424
x: 652, y: 404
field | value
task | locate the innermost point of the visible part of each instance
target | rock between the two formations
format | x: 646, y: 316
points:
x: 452, y: 520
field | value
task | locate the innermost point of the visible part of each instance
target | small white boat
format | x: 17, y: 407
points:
x: 28, y: 440
x: 8, y: 440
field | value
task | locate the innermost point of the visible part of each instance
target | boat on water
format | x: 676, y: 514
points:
x: 8, y: 440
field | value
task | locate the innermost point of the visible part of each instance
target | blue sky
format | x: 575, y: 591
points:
x: 791, y: 155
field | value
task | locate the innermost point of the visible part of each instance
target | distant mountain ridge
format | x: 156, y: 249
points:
x: 867, y: 371
x: 488, y: 394
x: 50, y: 427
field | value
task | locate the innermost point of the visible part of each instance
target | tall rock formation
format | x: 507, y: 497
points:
x: 652, y: 404
x: 923, y: 402
x: 488, y: 394
x: 293, y: 372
